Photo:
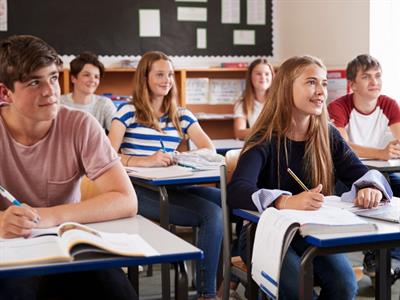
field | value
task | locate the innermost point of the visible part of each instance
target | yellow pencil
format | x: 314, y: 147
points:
x: 297, y: 179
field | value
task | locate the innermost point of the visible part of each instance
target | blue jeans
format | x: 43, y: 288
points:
x: 333, y: 273
x: 192, y: 206
x: 394, y: 180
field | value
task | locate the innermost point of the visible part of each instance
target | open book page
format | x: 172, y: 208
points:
x: 273, y: 236
x: 328, y: 220
x: 59, y: 248
x: 73, y: 234
x: 173, y: 171
x: 42, y: 249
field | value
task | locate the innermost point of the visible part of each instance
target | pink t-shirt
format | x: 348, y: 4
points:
x: 48, y: 173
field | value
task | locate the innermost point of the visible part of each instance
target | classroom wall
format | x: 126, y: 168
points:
x: 334, y: 30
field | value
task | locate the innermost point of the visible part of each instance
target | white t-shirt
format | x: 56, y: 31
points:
x: 239, y: 112
x: 368, y: 130
x: 102, y: 108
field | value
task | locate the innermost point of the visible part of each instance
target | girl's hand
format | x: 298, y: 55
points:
x: 311, y: 200
x: 368, y: 198
x: 159, y: 159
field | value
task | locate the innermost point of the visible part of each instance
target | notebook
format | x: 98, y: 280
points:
x: 386, y: 212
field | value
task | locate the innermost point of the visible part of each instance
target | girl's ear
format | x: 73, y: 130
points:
x: 73, y: 79
x: 4, y: 94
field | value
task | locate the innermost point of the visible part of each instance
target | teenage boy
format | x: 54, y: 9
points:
x: 45, y: 149
x: 365, y: 119
x: 86, y: 71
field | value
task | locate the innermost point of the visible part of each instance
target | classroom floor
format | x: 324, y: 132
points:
x: 150, y: 287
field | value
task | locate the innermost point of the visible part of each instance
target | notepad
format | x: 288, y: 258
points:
x: 173, y: 171
x: 66, y: 242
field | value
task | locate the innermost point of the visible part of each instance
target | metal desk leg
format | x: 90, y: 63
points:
x: 133, y: 276
x: 382, y: 279
x: 181, y: 281
x: 251, y: 285
x: 164, y: 222
x: 306, y: 282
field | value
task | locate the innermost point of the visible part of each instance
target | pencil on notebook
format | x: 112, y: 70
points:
x: 297, y: 179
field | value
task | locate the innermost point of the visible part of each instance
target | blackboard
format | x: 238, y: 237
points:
x: 111, y: 27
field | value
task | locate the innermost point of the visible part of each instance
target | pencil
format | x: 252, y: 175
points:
x: 297, y: 179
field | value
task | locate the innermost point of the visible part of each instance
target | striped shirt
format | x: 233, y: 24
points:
x: 140, y: 140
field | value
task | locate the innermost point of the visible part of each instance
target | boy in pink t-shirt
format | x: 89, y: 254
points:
x: 45, y: 149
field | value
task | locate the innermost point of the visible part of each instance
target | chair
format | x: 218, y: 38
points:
x: 232, y: 265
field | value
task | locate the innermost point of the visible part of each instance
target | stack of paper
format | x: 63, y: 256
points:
x: 159, y: 173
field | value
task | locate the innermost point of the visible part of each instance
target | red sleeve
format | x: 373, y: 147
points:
x: 390, y: 108
x: 339, y: 111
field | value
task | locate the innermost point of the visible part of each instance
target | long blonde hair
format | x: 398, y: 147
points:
x: 249, y: 94
x: 141, y: 94
x: 276, y: 121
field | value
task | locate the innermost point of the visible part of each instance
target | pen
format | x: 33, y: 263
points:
x: 297, y: 179
x: 163, y: 147
x: 6, y: 194
x: 9, y: 197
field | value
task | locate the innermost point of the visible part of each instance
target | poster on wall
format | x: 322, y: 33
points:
x: 3, y: 15
x: 337, y: 84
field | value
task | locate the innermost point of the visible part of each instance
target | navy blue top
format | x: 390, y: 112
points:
x: 257, y: 169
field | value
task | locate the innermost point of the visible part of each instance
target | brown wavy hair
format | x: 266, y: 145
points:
x: 249, y: 94
x: 275, y: 121
x: 142, y: 94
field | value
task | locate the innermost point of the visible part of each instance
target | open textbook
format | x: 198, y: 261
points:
x: 276, y: 229
x: 68, y: 240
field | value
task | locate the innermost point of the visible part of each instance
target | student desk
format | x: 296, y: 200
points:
x: 383, y: 166
x: 160, y: 185
x: 387, y: 236
x: 222, y: 145
x: 172, y: 249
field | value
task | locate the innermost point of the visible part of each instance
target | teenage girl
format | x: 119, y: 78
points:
x: 293, y: 132
x: 247, y: 109
x: 146, y: 131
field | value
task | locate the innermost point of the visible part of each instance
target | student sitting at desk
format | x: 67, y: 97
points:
x: 86, y: 71
x: 247, y: 109
x: 45, y: 149
x: 364, y: 119
x: 146, y: 131
x: 293, y: 132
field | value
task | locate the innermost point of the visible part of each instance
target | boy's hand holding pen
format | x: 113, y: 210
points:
x: 18, y: 219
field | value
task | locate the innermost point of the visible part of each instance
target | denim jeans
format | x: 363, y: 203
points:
x: 333, y: 273
x: 192, y: 206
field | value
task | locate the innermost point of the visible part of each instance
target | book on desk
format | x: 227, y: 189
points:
x: 275, y: 232
x: 66, y: 242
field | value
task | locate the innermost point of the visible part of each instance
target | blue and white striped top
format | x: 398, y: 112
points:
x: 141, y: 140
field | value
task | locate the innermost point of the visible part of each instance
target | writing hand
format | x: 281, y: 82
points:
x: 309, y: 200
x: 159, y: 159
x: 18, y: 221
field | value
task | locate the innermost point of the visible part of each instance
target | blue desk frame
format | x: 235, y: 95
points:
x: 160, y: 185
x: 380, y: 242
x: 96, y: 262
